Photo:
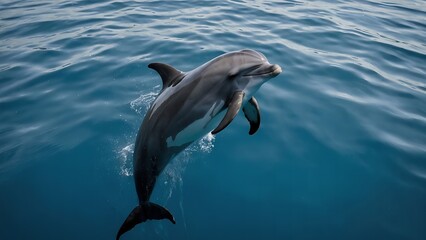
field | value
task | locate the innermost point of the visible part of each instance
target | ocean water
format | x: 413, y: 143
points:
x: 341, y: 152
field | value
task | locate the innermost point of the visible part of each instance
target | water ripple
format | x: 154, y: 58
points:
x: 345, y: 119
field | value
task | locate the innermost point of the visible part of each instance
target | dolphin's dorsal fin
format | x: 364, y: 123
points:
x: 252, y: 113
x: 233, y: 108
x: 169, y: 75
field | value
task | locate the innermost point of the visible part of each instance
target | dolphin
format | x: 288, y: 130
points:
x: 189, y: 106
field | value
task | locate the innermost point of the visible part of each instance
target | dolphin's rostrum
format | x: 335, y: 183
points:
x: 189, y: 106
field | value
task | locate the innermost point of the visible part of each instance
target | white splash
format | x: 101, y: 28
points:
x: 206, y: 143
x: 125, y: 156
x: 143, y: 102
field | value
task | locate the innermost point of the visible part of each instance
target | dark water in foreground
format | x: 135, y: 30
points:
x: 341, y: 153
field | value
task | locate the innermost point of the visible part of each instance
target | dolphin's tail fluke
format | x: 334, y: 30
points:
x: 143, y: 212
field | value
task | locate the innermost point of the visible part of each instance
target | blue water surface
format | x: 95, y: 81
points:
x: 341, y: 152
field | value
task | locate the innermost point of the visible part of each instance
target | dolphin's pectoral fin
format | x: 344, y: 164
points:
x: 142, y: 213
x: 251, y: 111
x: 233, y: 108
x: 169, y: 75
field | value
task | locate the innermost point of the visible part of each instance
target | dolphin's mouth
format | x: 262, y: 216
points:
x: 271, y: 70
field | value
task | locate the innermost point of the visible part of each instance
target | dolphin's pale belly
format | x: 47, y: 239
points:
x: 198, y: 128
